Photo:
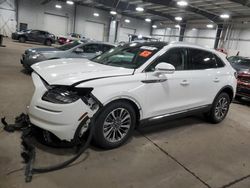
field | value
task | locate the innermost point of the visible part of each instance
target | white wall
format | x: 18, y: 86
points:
x: 32, y: 13
x: 236, y: 41
x: 7, y: 17
x: 85, y: 14
x: 166, y: 34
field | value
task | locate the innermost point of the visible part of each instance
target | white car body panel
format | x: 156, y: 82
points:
x: 179, y: 91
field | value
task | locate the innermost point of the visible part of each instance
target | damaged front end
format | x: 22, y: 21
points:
x: 59, y: 109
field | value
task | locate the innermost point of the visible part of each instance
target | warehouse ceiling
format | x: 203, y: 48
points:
x: 167, y: 10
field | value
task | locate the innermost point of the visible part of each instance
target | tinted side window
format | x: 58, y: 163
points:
x: 219, y: 62
x: 200, y: 59
x: 175, y: 56
x: 106, y: 48
x: 91, y: 48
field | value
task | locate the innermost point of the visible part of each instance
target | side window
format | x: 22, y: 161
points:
x: 106, y: 48
x: 175, y: 56
x: 91, y: 48
x: 219, y: 62
x: 200, y: 59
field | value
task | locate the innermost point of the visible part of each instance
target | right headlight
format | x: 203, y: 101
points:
x: 65, y: 95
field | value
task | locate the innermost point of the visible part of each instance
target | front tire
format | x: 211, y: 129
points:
x: 48, y: 42
x: 22, y: 39
x: 114, y: 125
x: 219, y: 108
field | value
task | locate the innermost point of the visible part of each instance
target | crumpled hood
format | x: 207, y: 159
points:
x: 71, y: 71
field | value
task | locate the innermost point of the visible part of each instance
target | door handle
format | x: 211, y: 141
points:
x: 216, y: 80
x: 184, y: 83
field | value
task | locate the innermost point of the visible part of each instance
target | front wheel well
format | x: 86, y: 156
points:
x: 134, y: 105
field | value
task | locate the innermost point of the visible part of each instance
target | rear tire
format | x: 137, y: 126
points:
x: 219, y: 108
x: 22, y: 39
x: 114, y: 125
x: 48, y: 42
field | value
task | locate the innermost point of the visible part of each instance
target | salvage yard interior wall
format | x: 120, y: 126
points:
x: 7, y: 17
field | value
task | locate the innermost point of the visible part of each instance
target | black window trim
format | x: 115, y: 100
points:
x: 175, y: 47
x: 188, y: 54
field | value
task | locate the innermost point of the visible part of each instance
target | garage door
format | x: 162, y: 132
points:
x: 94, y: 31
x: 123, y: 34
x: 55, y: 24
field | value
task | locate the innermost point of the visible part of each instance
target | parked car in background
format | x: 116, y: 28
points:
x: 131, y: 84
x: 40, y: 36
x: 69, y: 38
x: 243, y: 86
x: 242, y: 65
x: 76, y: 49
x: 239, y: 63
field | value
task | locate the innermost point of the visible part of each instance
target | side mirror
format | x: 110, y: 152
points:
x: 78, y: 50
x: 165, y: 68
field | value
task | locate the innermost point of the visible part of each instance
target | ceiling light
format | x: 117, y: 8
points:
x: 113, y: 12
x: 58, y: 6
x: 148, y: 20
x: 154, y: 26
x: 70, y: 2
x: 178, y: 26
x: 182, y: 3
x: 127, y: 21
x: 96, y: 14
x: 178, y: 18
x: 225, y: 16
x: 139, y: 9
x: 194, y: 29
x: 210, y: 26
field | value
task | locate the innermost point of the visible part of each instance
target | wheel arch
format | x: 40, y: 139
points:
x: 226, y: 89
x: 134, y: 103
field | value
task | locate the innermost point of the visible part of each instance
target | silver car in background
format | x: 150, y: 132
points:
x: 76, y: 49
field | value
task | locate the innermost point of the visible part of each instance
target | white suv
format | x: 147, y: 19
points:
x: 128, y: 85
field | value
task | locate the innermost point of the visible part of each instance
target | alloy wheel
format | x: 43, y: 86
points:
x: 221, y: 108
x: 116, y: 125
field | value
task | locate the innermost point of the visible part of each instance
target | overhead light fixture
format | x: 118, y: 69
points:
x: 194, y: 29
x: 96, y: 14
x: 127, y: 20
x: 58, y: 6
x: 148, y: 20
x: 178, y: 18
x: 113, y: 12
x: 225, y: 16
x: 154, y: 26
x: 178, y: 26
x: 70, y: 2
x: 182, y: 3
x: 210, y: 26
x: 139, y: 9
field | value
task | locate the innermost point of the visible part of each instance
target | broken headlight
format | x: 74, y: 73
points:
x: 65, y: 95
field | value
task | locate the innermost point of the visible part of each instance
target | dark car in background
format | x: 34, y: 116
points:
x: 242, y: 66
x: 76, y: 49
x: 39, y: 36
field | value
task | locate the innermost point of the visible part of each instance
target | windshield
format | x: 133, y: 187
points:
x: 69, y: 45
x: 129, y: 56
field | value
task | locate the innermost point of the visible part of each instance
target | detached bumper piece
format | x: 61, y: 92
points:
x: 28, y: 154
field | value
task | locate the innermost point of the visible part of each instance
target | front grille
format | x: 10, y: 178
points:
x: 245, y: 80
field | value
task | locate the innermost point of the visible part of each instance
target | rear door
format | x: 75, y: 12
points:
x: 205, y: 78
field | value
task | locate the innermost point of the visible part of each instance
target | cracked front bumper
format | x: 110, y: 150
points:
x: 60, y: 119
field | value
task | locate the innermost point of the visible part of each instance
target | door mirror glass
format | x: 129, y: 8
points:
x: 78, y: 50
x: 165, y: 68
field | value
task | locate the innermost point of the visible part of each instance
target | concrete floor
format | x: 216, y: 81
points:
x: 179, y: 154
